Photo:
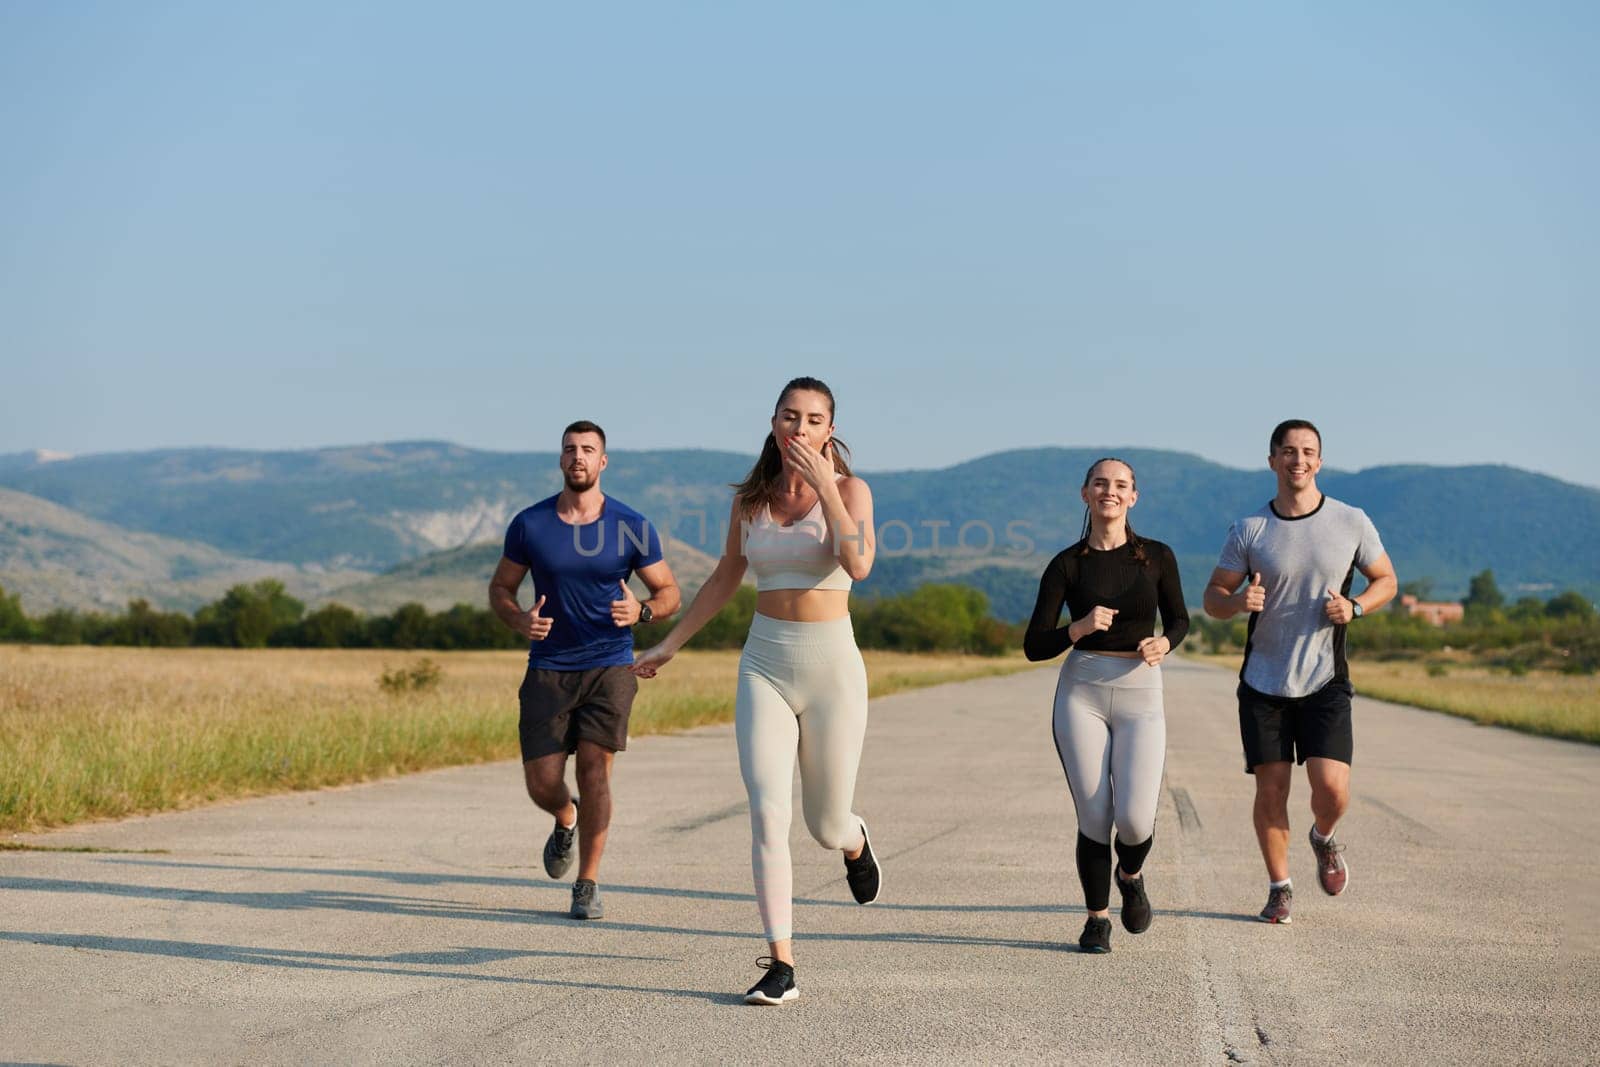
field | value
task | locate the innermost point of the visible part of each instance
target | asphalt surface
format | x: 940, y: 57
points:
x: 410, y: 921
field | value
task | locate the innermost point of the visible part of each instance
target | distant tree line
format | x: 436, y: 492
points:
x: 261, y: 615
x: 933, y: 618
x: 1562, y: 632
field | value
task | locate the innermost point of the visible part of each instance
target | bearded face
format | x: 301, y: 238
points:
x: 583, y: 457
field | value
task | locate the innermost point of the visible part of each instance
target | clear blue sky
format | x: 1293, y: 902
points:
x: 988, y: 226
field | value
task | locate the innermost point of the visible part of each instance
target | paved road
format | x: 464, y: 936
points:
x: 408, y: 921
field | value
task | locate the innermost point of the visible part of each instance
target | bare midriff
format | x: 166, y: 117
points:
x: 1102, y: 652
x: 804, y: 605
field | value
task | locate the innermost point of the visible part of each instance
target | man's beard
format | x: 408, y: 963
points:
x: 579, y: 482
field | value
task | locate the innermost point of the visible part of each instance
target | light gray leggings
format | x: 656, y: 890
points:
x: 802, y: 691
x: 1111, y: 734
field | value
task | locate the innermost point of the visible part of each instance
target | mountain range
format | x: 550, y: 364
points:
x: 422, y: 520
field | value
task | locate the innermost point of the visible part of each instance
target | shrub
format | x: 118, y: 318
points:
x: 420, y: 677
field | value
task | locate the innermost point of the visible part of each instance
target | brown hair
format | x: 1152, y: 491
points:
x: 1280, y: 431
x: 585, y: 426
x: 1134, y: 540
x: 760, y: 486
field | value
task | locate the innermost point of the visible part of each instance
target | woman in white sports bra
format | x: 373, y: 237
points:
x: 803, y: 523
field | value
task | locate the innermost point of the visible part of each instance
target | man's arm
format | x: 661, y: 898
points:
x: 665, y: 597
x: 1223, y: 598
x: 503, y: 601
x: 1382, y: 584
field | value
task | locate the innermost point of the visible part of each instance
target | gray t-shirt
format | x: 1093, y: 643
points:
x: 1293, y: 649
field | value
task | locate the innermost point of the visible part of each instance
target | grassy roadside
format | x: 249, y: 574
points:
x: 92, y: 733
x: 1538, y: 702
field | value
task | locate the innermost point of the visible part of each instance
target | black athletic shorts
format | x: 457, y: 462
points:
x: 1296, y: 728
x: 560, y: 708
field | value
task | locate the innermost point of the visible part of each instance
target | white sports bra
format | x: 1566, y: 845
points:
x: 799, y: 556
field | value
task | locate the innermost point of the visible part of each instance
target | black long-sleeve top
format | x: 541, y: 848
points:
x: 1110, y: 578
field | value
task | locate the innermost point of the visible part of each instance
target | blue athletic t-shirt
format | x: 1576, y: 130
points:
x: 577, y: 570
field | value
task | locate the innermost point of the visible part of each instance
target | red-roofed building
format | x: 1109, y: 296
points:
x: 1437, y: 612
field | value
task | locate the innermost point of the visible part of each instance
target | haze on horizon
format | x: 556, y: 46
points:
x: 296, y: 226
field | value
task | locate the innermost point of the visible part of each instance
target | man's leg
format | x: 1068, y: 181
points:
x: 1272, y: 816
x: 546, y: 779
x: 1330, y: 796
x: 594, y: 817
x: 1328, y: 744
x: 1330, y: 792
x: 545, y: 700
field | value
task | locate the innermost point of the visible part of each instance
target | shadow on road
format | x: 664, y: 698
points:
x: 299, y: 959
x: 451, y: 878
x: 421, y: 907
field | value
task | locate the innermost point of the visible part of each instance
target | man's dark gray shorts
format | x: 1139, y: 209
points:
x: 561, y: 708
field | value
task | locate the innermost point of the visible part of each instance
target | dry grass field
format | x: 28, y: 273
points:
x: 88, y: 733
x: 1538, y: 702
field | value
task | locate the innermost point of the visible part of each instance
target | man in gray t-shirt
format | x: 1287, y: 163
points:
x: 1290, y: 565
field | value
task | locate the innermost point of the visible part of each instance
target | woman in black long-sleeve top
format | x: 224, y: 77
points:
x: 1110, y: 727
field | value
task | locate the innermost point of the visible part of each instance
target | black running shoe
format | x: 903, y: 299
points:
x: 1096, y: 936
x: 1280, y: 900
x: 558, y: 847
x: 863, y: 873
x: 1135, y: 905
x: 776, y: 987
x: 586, y: 900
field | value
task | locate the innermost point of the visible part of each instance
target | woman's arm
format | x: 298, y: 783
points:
x: 1044, y: 639
x: 710, y: 599
x: 1169, y: 599
x: 846, y: 508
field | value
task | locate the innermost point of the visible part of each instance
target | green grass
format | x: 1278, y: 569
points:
x: 19, y: 846
x: 1542, y: 702
x: 94, y: 733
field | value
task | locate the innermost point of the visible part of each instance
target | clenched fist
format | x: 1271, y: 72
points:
x: 1097, y: 619
x: 1154, y: 650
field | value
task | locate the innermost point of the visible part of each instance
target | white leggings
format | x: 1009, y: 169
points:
x: 1111, y: 735
x: 802, y: 689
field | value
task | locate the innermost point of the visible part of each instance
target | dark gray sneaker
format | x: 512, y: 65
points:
x: 558, y: 847
x: 863, y: 873
x: 1279, y: 900
x: 777, y: 987
x: 1135, y: 905
x: 586, y: 900
x: 1096, y: 936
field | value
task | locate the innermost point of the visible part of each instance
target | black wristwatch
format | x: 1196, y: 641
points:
x: 645, y: 614
x: 1356, y: 610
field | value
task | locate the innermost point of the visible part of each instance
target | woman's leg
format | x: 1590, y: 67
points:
x: 1138, y: 757
x: 833, y: 728
x: 767, y: 733
x: 1083, y: 742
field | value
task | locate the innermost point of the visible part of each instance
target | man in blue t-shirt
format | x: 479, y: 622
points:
x: 1290, y: 565
x: 580, y: 546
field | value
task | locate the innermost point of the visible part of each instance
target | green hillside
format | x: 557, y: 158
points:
x: 441, y: 580
x: 55, y: 557
x: 376, y: 507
